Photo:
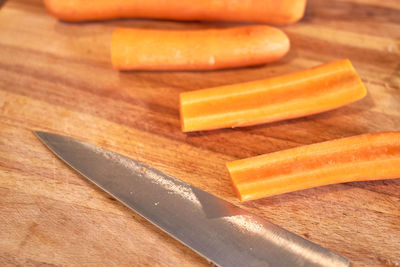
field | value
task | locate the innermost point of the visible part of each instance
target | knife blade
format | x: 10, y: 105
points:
x: 214, y: 228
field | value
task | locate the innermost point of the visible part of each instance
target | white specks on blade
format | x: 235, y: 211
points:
x: 109, y: 155
x: 246, y: 223
x: 173, y: 188
x: 249, y: 225
x: 169, y: 185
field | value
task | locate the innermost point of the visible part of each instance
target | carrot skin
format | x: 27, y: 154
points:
x: 358, y: 158
x: 294, y: 95
x: 264, y: 11
x: 143, y: 49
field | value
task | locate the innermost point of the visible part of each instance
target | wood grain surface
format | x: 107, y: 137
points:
x: 57, y: 77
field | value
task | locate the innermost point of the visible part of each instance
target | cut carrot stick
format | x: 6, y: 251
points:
x: 264, y: 11
x: 142, y: 49
x: 289, y: 96
x: 358, y: 158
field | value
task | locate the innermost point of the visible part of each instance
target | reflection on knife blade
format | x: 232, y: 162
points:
x: 213, y: 227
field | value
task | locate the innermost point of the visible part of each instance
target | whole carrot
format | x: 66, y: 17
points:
x: 293, y: 95
x: 142, y: 49
x: 357, y: 158
x: 265, y: 11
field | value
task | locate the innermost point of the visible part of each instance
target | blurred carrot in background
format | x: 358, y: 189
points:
x: 142, y: 49
x: 264, y: 11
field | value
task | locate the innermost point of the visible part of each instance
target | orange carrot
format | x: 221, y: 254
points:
x: 264, y: 11
x: 358, y: 158
x: 142, y: 49
x: 293, y: 95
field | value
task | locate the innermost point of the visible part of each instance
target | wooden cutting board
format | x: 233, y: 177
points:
x: 57, y: 76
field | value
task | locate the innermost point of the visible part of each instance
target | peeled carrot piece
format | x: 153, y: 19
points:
x: 142, y: 49
x: 293, y: 95
x: 358, y: 158
x: 265, y: 11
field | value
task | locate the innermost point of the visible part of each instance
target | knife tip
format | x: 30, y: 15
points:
x: 40, y: 134
x: 46, y: 137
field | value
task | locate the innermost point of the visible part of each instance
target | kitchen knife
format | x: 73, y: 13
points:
x: 216, y: 229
